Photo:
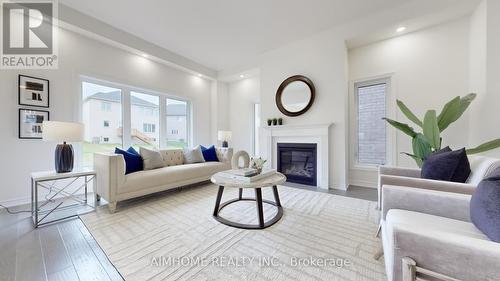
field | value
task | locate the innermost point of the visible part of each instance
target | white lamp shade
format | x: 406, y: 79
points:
x: 62, y: 131
x: 224, y: 135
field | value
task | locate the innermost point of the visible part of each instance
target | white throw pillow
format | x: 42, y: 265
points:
x: 152, y: 158
x: 193, y: 155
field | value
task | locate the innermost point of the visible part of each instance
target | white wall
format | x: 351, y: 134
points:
x: 80, y: 55
x: 429, y: 68
x: 242, y: 95
x: 322, y: 58
x: 484, y: 71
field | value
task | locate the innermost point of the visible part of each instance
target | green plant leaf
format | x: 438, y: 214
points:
x: 417, y: 160
x: 484, y: 147
x: 421, y: 147
x: 402, y: 127
x: 431, y: 129
x: 407, y: 112
x: 448, y: 114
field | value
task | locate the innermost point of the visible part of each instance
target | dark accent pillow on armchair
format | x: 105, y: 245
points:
x: 447, y: 165
x: 485, y: 206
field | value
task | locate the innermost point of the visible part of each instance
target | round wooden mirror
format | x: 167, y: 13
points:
x: 295, y: 95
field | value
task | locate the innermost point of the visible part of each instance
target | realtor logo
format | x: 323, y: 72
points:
x: 28, y: 35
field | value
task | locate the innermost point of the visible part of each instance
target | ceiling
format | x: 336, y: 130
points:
x: 221, y: 34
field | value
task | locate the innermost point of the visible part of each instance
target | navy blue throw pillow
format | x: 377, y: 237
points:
x: 485, y: 206
x: 133, y: 161
x: 447, y: 166
x: 133, y: 151
x: 209, y: 154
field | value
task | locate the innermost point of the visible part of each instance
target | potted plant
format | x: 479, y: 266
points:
x: 269, y: 122
x: 258, y: 164
x: 429, y: 139
x: 275, y: 121
x: 280, y: 121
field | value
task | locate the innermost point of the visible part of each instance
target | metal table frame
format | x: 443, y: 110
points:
x: 36, y: 210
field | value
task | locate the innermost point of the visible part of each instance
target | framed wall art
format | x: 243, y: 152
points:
x: 33, y: 91
x: 30, y: 123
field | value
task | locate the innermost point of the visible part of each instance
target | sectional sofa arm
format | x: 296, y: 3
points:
x: 447, y: 186
x: 110, y: 170
x: 398, y: 171
x: 432, y: 202
x: 446, y: 253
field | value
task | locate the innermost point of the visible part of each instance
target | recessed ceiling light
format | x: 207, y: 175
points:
x: 242, y: 76
x: 145, y: 55
x: 199, y: 75
x: 401, y: 29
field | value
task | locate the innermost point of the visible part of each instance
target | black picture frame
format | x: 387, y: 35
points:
x: 38, y: 94
x: 20, y: 127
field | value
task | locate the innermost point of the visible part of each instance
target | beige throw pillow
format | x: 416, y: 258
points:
x: 193, y: 155
x: 152, y: 158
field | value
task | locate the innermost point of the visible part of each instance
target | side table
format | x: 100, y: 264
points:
x: 61, y: 195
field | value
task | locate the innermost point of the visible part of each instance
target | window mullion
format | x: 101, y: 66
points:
x: 127, y: 120
x: 163, y: 122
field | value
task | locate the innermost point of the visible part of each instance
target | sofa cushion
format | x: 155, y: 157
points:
x: 172, y: 157
x: 447, y: 166
x: 485, y: 206
x: 133, y: 161
x: 171, y: 175
x: 152, y: 158
x: 193, y: 155
x: 209, y: 154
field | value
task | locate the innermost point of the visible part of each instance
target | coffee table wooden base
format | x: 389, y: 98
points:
x: 260, y: 210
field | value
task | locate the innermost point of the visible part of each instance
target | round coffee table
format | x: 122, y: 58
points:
x: 271, y: 181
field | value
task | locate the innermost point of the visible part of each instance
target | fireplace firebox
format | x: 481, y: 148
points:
x: 298, y: 161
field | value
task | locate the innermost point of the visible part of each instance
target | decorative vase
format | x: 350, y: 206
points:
x: 269, y: 122
x: 280, y: 121
x: 275, y: 122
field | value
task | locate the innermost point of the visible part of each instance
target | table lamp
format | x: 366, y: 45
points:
x: 63, y: 132
x: 224, y: 136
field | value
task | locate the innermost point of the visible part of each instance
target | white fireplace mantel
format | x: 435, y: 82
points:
x: 317, y: 134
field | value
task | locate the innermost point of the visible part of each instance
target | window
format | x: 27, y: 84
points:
x: 105, y: 106
x: 144, y: 119
x: 101, y: 107
x: 256, y: 126
x: 148, y: 128
x: 371, y: 129
x: 177, y: 123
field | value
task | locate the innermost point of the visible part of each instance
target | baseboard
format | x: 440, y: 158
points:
x: 362, y: 183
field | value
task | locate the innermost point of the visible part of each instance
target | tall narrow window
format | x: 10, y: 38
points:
x: 101, y: 114
x: 145, y: 118
x: 177, y: 123
x: 371, y: 133
x: 256, y: 126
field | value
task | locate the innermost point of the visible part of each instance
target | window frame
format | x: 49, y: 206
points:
x: 126, y: 92
x: 387, y: 79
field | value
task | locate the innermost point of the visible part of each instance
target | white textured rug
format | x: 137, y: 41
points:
x: 174, y: 237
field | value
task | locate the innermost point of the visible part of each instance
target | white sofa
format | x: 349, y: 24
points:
x: 114, y: 186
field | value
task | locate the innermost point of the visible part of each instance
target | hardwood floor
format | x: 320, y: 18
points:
x: 63, y: 251
x: 66, y: 251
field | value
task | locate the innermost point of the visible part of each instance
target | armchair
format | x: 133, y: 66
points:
x: 428, y: 233
x: 481, y: 166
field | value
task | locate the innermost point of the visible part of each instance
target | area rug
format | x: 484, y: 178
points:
x: 174, y: 237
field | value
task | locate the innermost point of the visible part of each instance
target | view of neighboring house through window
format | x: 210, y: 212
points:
x: 177, y: 123
x: 145, y: 118
x: 371, y: 129
x: 102, y: 115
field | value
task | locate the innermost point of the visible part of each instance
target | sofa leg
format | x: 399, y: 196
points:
x: 378, y: 254
x: 112, y: 207
x: 97, y: 197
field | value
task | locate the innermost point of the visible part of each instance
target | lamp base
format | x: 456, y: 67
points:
x: 224, y: 144
x: 64, y: 158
